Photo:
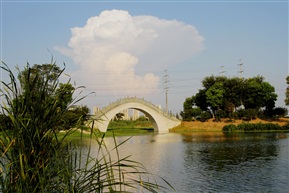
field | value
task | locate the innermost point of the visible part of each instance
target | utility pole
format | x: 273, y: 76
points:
x: 222, y: 72
x: 240, y: 72
x: 166, y: 87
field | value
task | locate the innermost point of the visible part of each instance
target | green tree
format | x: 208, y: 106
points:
x: 215, y: 96
x: 232, y: 92
x: 258, y: 94
x: 75, y: 116
x: 119, y: 116
x: 44, y: 79
x: 40, y: 74
x: 227, y: 94
x: 208, y: 82
x: 280, y: 111
x: 232, y: 96
x: 201, y: 101
x: 64, y: 94
x: 187, y: 109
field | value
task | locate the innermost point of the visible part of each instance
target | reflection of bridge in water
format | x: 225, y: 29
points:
x: 161, y: 120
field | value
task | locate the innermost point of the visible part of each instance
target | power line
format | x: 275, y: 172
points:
x: 166, y: 83
x: 222, y: 72
x: 240, y: 72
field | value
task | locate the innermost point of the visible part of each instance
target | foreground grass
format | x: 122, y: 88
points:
x: 35, y: 156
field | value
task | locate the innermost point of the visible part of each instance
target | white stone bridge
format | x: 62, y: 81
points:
x: 161, y: 120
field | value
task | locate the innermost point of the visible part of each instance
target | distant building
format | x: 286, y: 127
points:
x: 126, y: 115
x: 135, y: 114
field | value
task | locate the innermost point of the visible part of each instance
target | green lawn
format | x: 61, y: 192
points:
x: 77, y: 135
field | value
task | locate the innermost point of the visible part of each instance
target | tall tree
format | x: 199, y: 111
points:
x: 42, y: 74
x: 201, y: 101
x: 187, y: 109
x: 258, y: 94
x: 64, y: 94
x: 215, y: 96
x: 45, y: 77
x: 233, y: 93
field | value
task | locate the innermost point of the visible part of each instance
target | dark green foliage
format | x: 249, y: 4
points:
x: 196, y: 112
x: 204, y: 116
x: 200, y: 100
x: 119, y: 116
x: 187, y: 112
x: 230, y: 127
x: 286, y: 127
x: 258, y: 94
x: 215, y: 96
x: 228, y: 94
x: 249, y: 127
x: 75, y: 116
x: 244, y: 114
x: 221, y: 114
x: 5, y: 122
x: 280, y: 111
x: 190, y: 112
x: 64, y: 93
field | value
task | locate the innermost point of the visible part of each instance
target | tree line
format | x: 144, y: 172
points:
x: 234, y: 97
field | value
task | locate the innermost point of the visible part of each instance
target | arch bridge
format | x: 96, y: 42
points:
x: 161, y: 120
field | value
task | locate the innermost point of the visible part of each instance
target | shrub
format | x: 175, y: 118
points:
x: 285, y: 127
x: 230, y: 127
x: 35, y: 159
x: 246, y: 127
x: 280, y: 111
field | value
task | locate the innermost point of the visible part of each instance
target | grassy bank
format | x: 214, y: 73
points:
x: 77, y: 135
x: 129, y: 128
x: 133, y: 128
x: 210, y: 125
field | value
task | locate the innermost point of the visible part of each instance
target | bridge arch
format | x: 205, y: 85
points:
x: 161, y: 120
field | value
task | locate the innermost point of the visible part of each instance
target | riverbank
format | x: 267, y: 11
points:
x: 78, y: 134
x: 210, y: 125
x: 192, y: 126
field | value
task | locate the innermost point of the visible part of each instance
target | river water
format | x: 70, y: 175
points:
x: 214, y: 161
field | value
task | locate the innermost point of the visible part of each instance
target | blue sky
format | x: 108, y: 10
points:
x: 195, y: 38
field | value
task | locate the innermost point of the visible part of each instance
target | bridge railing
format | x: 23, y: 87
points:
x: 119, y: 102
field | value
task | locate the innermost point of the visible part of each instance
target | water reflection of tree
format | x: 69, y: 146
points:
x: 231, y: 150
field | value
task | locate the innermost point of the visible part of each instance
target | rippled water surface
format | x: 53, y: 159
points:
x: 215, y: 162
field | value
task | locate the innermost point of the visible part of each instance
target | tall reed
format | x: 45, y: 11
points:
x: 35, y: 159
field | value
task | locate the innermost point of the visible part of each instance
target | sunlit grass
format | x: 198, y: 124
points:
x: 78, y: 134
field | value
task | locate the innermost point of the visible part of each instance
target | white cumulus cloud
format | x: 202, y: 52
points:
x: 118, y: 53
